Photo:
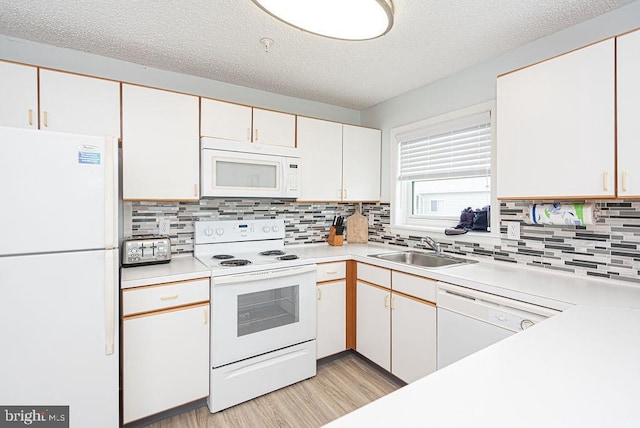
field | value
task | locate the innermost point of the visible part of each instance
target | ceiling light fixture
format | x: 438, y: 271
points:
x: 337, y: 19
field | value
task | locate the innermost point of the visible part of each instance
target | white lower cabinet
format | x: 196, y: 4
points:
x: 331, y: 333
x: 165, y: 348
x: 396, y: 326
x: 413, y: 338
x: 373, y: 327
x: 166, y: 360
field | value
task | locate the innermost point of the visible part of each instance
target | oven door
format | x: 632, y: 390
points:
x: 262, y: 311
x: 237, y: 174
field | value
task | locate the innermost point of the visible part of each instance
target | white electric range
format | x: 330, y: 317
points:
x: 263, y: 309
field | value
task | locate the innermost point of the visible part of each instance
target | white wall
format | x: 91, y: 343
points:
x: 478, y: 84
x: 28, y: 52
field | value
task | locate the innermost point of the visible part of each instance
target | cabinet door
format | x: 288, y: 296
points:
x: 361, y: 163
x: 225, y: 120
x: 160, y: 145
x: 165, y: 361
x: 331, y: 333
x: 373, y: 324
x: 555, y: 133
x: 320, y: 144
x: 274, y: 128
x: 79, y: 104
x: 413, y: 338
x: 628, y: 57
x: 19, y: 100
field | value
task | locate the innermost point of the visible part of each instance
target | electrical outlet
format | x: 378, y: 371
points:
x: 513, y: 229
x: 370, y: 219
x: 164, y: 226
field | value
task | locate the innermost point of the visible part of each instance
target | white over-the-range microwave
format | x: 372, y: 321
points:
x: 240, y: 169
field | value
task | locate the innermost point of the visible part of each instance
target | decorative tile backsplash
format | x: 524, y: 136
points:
x: 305, y: 222
x: 608, y: 249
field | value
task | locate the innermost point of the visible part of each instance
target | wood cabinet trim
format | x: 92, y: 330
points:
x: 167, y: 310
x: 164, y: 284
x: 331, y: 281
x: 381, y: 287
x: 410, y: 274
x: 555, y: 198
x: 410, y: 297
x: 351, y: 305
x: 557, y: 56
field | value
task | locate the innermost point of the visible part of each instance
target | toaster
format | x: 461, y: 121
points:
x: 146, y: 250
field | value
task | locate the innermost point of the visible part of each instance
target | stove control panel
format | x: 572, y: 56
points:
x: 146, y: 250
x: 219, y: 231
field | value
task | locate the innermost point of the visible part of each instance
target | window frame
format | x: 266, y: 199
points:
x: 402, y: 220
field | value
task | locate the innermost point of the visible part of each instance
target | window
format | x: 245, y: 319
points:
x: 441, y: 166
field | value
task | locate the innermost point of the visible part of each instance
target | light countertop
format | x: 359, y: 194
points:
x: 180, y: 268
x: 578, y: 369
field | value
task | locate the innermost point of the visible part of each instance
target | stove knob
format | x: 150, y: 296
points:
x: 275, y: 228
x: 208, y: 231
x: 219, y: 231
x: 266, y: 229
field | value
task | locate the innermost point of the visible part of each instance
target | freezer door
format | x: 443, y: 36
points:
x: 59, y: 192
x: 59, y: 335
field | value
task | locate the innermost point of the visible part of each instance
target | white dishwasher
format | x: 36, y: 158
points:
x: 470, y: 320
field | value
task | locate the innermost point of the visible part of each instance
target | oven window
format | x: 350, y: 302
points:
x: 264, y: 310
x: 246, y: 175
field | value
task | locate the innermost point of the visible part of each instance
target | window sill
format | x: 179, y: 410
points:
x: 437, y: 233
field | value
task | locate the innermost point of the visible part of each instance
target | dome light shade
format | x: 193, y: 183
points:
x: 338, y: 19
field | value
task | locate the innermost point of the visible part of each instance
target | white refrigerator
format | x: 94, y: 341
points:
x: 59, y: 274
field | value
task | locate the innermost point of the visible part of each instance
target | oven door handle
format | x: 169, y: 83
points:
x: 262, y: 275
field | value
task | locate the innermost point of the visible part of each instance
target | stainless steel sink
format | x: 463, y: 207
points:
x: 416, y: 258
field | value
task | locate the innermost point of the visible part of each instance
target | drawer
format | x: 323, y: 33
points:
x: 332, y: 271
x: 163, y: 296
x: 374, y: 275
x: 422, y: 288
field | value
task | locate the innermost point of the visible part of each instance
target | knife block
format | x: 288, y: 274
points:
x: 333, y: 239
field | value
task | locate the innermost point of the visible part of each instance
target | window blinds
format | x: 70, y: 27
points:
x: 455, y: 149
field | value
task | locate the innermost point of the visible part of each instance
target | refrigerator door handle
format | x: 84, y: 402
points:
x: 110, y: 275
x: 110, y: 189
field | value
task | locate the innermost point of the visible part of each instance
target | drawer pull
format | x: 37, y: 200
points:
x: 30, y: 117
x: 171, y: 297
x: 333, y: 272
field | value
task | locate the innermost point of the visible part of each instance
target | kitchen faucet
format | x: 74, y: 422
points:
x: 435, y: 246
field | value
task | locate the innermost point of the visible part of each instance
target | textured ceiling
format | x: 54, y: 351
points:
x: 220, y: 40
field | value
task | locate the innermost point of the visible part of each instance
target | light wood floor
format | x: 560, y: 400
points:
x: 342, y: 384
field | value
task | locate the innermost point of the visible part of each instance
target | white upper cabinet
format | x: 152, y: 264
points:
x: 79, y: 104
x: 360, y: 163
x: 160, y: 145
x: 628, y: 87
x: 19, y: 99
x: 556, y: 119
x: 224, y: 120
x: 320, y: 144
x: 68, y: 102
x: 341, y: 162
x: 274, y: 128
x: 220, y: 119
